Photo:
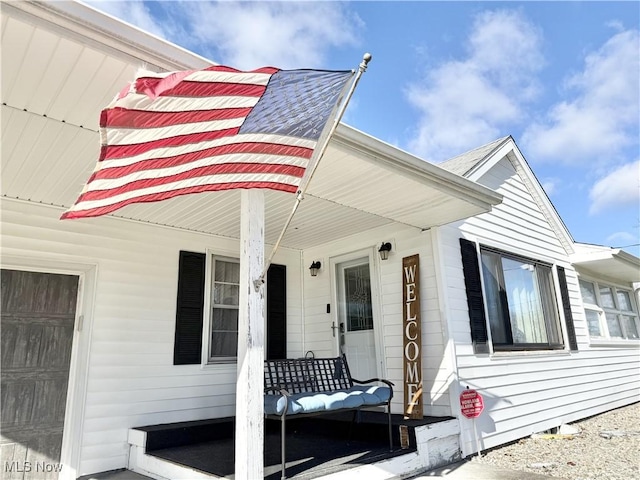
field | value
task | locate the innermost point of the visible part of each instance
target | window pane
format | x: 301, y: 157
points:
x: 525, y: 306
x: 549, y: 304
x: 224, y: 344
x: 227, y: 272
x: 588, y: 292
x: 630, y: 326
x: 613, y: 324
x: 593, y: 321
x: 606, y: 297
x: 624, y: 302
x: 225, y: 299
x: 226, y: 294
x: 357, y: 286
x: 497, y: 319
x: 225, y: 319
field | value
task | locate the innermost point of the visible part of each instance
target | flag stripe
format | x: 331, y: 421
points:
x: 188, y: 88
x: 156, y: 197
x: 122, y: 118
x: 218, y: 73
x: 192, y: 148
x: 102, y: 189
x: 131, y: 136
x: 119, y: 151
x: 141, y: 101
x: 106, y: 183
x: 235, y: 153
x: 285, y: 182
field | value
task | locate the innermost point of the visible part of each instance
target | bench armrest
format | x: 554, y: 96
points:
x: 281, y: 390
x: 371, y: 380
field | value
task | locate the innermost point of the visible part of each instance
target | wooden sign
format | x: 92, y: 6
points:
x: 412, y: 353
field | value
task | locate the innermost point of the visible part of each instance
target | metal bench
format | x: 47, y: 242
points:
x: 313, y: 386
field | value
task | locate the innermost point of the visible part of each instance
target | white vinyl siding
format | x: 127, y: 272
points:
x: 132, y: 380
x: 528, y: 392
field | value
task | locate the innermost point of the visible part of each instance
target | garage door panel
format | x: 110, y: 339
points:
x: 38, y: 316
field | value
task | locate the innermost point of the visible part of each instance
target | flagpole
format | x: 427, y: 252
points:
x: 366, y: 58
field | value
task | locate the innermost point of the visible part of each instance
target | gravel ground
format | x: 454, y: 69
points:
x: 607, y: 447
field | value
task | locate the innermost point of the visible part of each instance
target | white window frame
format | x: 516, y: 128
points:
x: 207, y: 359
x: 560, y: 321
x: 602, y: 311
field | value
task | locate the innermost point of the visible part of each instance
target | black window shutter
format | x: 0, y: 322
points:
x: 189, y: 309
x: 276, y: 312
x: 475, y: 302
x: 566, y: 307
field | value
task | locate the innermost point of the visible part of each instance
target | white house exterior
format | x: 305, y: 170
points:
x: 126, y: 366
x: 534, y: 390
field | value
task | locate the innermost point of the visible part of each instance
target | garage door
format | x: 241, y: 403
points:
x: 38, y: 313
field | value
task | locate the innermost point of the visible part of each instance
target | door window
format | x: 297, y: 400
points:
x: 357, y: 291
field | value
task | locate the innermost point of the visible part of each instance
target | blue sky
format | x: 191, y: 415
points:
x: 563, y: 78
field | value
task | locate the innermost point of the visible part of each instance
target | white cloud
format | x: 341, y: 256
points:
x: 602, y: 117
x: 549, y: 185
x: 136, y: 13
x: 620, y: 188
x: 247, y: 35
x: 465, y: 103
x: 621, y: 238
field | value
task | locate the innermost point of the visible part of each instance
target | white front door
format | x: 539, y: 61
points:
x: 355, y: 317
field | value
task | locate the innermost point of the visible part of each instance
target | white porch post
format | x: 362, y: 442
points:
x: 249, y: 462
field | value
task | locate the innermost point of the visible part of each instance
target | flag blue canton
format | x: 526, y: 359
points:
x: 296, y: 103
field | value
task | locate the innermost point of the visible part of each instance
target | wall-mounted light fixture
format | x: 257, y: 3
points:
x: 315, y: 266
x: 384, y: 250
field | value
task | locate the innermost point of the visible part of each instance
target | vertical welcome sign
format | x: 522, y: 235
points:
x: 412, y: 353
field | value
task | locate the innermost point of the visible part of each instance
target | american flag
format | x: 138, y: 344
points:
x: 176, y: 133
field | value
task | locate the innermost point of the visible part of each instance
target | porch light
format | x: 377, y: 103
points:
x: 315, y: 266
x: 384, y: 250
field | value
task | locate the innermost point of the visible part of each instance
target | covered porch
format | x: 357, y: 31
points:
x: 327, y: 446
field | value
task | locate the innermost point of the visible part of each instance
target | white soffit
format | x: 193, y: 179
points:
x: 611, y: 263
x: 55, y: 83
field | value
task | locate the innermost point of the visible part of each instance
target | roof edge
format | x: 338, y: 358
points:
x: 587, y: 252
x: 411, y: 166
x: 99, y: 29
x: 490, y: 154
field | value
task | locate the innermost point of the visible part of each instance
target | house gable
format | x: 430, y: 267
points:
x: 479, y: 164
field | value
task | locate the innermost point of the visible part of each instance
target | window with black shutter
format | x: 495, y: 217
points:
x: 222, y: 320
x: 473, y: 285
x: 517, y: 295
x: 566, y: 307
x: 189, y: 309
x: 276, y: 346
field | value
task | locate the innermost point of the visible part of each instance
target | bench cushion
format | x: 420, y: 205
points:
x: 354, y: 397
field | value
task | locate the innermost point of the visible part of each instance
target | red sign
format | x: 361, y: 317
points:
x: 471, y: 403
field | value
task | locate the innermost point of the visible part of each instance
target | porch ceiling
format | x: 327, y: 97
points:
x: 60, y: 68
